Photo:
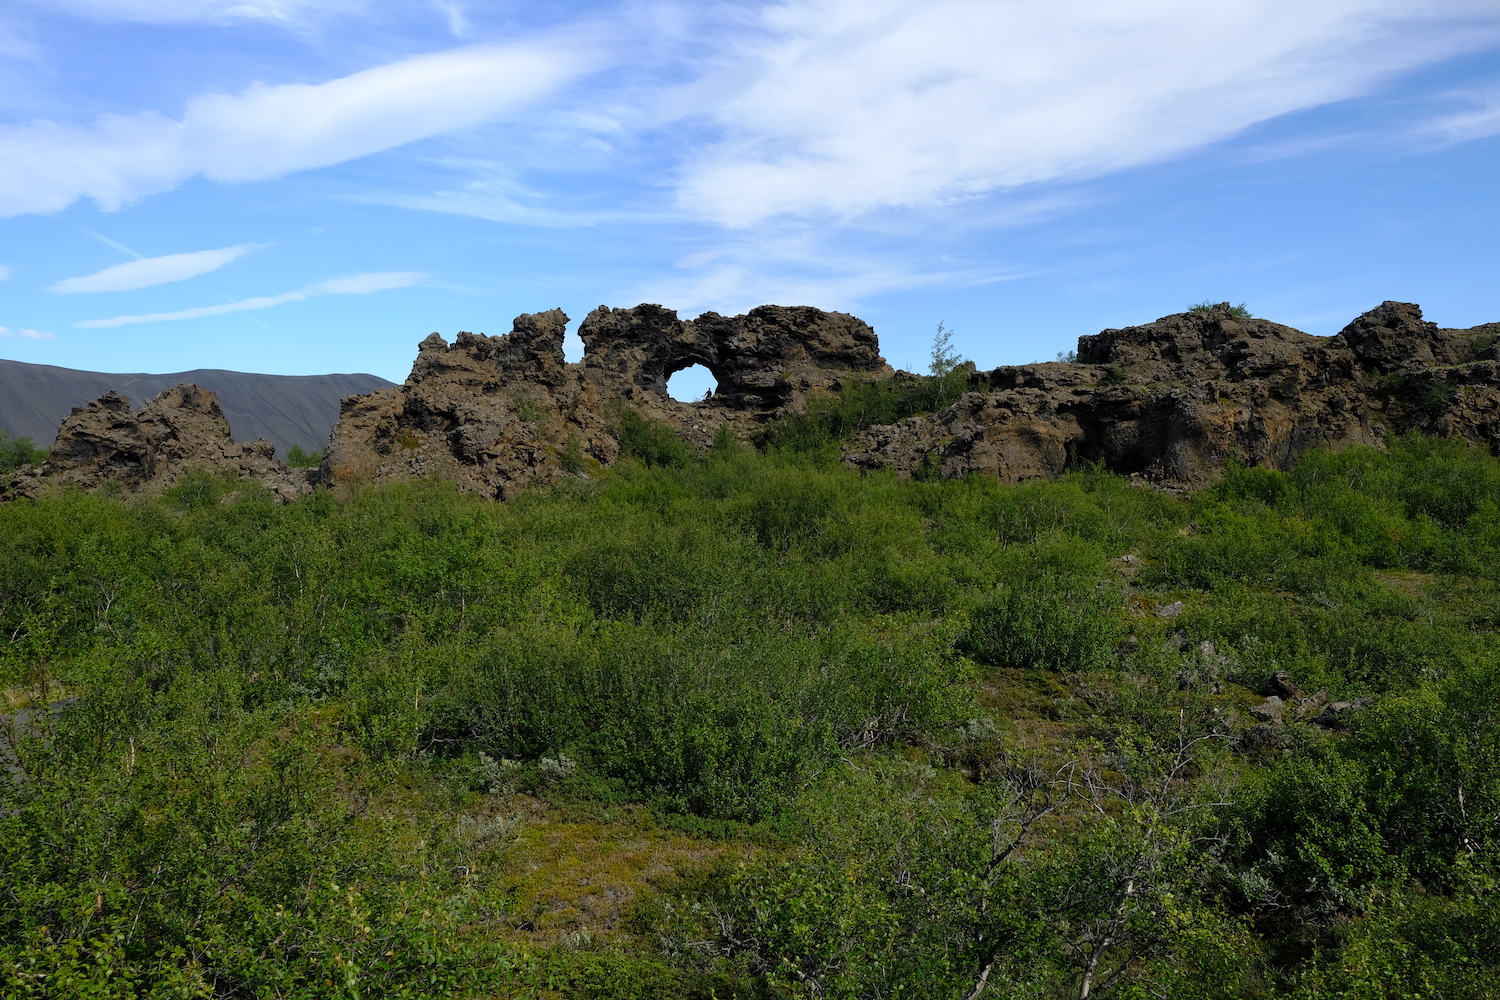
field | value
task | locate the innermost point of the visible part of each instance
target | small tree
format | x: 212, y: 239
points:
x: 944, y: 358
x: 16, y: 452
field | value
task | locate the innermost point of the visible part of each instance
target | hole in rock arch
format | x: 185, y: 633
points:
x: 690, y: 384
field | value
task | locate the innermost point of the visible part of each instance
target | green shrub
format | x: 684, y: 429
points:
x: 297, y: 458
x: 830, y: 418
x: 277, y: 699
x: 1206, y: 306
x: 1045, y: 628
x: 650, y: 441
x: 16, y: 452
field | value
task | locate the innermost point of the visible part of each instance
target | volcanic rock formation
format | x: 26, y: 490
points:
x: 1171, y: 401
x: 181, y: 429
x: 1174, y: 399
x: 497, y: 413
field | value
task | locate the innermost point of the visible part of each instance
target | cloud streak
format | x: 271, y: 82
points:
x: 822, y: 109
x: 1481, y: 121
x: 863, y: 104
x: 28, y: 334
x: 269, y: 131
x: 149, y: 271
x: 289, y: 12
x: 358, y: 284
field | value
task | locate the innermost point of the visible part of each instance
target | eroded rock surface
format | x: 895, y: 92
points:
x: 1174, y: 399
x: 498, y: 413
x: 182, y: 429
x: 1171, y: 400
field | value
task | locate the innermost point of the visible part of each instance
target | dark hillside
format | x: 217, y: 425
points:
x: 286, y: 410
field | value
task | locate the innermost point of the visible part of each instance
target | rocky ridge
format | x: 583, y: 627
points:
x: 1170, y: 401
x: 1174, y: 399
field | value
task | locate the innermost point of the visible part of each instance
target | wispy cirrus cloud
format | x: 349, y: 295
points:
x: 357, y: 284
x: 860, y: 104
x: 149, y: 271
x: 458, y: 18
x: 28, y: 334
x: 4, y: 273
x: 1479, y: 121
x: 205, y: 11
x: 268, y: 131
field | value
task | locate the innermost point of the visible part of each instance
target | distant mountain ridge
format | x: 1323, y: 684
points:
x: 286, y: 410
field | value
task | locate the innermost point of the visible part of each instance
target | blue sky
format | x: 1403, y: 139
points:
x: 298, y: 187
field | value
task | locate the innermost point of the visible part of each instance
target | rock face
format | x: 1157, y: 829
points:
x: 498, y: 413
x: 181, y: 429
x: 1174, y: 399
x: 1171, y: 401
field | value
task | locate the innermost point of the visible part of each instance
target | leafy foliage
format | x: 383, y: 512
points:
x: 904, y: 737
x: 944, y: 357
x: 1206, y: 306
x: 831, y: 418
x: 16, y: 452
x: 297, y: 458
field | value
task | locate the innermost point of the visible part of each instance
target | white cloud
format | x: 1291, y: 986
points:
x: 204, y: 11
x: 268, y: 131
x: 806, y: 265
x: 458, y: 19
x: 860, y: 104
x: 4, y: 273
x: 689, y: 261
x: 28, y: 334
x: 154, y: 270
x: 358, y: 284
x: 1481, y: 121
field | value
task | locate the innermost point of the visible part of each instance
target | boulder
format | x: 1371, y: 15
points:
x: 1265, y: 739
x: 1339, y: 714
x: 1269, y: 711
x: 1311, y: 704
x: 1280, y: 683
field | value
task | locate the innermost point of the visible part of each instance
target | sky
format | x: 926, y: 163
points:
x: 311, y: 186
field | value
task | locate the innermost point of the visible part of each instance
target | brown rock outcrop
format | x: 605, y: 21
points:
x: 1174, y: 399
x: 1171, y: 400
x: 180, y: 430
x: 498, y: 413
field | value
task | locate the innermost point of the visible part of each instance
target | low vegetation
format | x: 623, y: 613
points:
x: 751, y: 724
x: 299, y: 458
x: 1238, y: 312
x: 16, y: 452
